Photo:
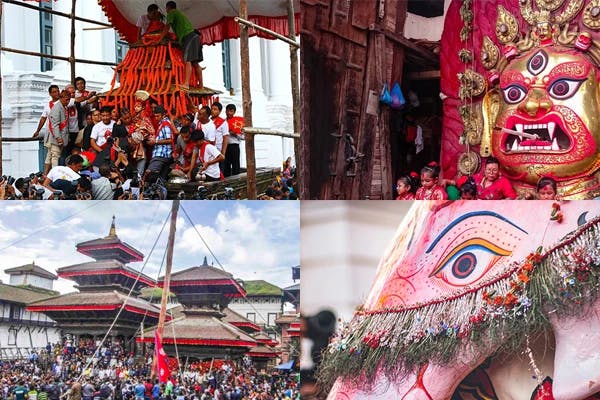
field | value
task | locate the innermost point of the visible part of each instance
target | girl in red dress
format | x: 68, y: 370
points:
x: 546, y: 189
x: 430, y: 189
x: 405, y: 186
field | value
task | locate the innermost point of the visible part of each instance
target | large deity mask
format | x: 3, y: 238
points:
x: 534, y: 91
x: 550, y: 93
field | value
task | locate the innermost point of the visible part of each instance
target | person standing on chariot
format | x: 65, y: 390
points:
x: 188, y: 38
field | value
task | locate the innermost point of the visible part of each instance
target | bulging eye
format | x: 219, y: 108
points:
x: 514, y: 94
x: 564, y: 88
x: 468, y: 262
x: 537, y: 62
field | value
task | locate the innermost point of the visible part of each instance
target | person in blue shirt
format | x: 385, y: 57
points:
x: 156, y: 390
x: 139, y: 390
x: 162, y: 153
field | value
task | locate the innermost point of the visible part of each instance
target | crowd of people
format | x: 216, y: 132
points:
x: 489, y: 184
x: 81, y: 371
x: 108, y: 153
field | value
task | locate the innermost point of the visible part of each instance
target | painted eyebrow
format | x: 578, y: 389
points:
x: 465, y: 217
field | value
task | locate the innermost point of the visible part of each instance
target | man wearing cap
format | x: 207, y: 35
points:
x: 189, y: 39
x: 163, y: 144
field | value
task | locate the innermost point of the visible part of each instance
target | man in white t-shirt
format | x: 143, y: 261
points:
x: 61, y: 177
x: 102, y: 130
x: 208, y: 127
x: 208, y: 155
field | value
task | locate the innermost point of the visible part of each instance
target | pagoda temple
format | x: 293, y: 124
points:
x: 104, y: 285
x: 203, y: 332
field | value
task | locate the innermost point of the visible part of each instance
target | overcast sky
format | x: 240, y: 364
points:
x: 251, y: 239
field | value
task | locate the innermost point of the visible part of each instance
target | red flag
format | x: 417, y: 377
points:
x: 162, y: 364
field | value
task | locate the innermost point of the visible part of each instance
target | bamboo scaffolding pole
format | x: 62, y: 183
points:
x: 1, y: 7
x: 291, y: 40
x: 72, y: 57
x: 294, y: 70
x: 22, y: 139
x: 72, y: 60
x: 60, y: 14
x: 269, y: 132
x: 52, y: 56
x: 167, y: 281
x: 247, y: 102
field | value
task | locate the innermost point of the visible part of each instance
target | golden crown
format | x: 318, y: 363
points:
x: 550, y: 23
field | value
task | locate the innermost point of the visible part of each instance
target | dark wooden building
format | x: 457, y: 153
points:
x: 351, y: 144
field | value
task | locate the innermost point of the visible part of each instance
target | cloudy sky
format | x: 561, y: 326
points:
x: 251, y: 239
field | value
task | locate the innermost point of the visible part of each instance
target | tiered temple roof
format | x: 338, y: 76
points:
x: 104, y: 286
x: 110, y: 248
x: 205, y: 330
x: 204, y: 285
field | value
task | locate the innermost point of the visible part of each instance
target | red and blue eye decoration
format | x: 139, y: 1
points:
x: 537, y: 63
x: 564, y: 88
x: 468, y: 262
x: 514, y: 93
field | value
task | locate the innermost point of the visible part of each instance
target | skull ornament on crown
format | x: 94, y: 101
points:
x: 539, y: 110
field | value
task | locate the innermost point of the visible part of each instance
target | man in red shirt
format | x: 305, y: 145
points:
x: 232, y: 153
x: 148, y: 386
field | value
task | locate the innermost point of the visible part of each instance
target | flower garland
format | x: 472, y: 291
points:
x: 499, y: 314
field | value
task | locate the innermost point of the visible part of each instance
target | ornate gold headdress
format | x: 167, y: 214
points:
x: 550, y: 23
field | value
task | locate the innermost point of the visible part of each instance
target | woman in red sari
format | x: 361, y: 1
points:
x: 491, y: 185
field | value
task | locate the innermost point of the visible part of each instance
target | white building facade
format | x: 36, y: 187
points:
x: 25, y: 79
x: 262, y: 310
x: 22, y: 331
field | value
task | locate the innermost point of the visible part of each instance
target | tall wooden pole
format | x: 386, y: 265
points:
x: 247, y: 103
x: 72, y: 58
x: 167, y: 282
x: 1, y: 7
x: 295, y: 88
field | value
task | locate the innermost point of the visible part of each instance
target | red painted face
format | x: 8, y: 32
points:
x: 552, y: 95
